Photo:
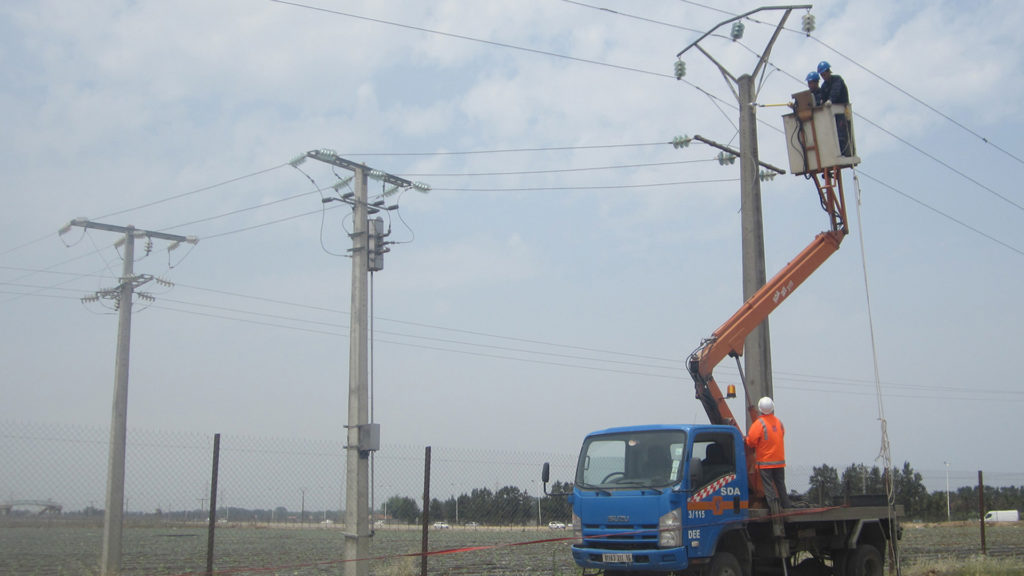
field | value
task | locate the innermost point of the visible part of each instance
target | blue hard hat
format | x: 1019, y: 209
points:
x: 823, y: 65
x: 813, y: 76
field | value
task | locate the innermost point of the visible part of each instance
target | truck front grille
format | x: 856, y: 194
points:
x: 621, y: 536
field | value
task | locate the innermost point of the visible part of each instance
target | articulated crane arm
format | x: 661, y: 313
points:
x: 728, y: 340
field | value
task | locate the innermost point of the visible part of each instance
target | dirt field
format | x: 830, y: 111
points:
x: 58, y: 548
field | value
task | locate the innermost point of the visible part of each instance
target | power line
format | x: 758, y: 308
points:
x: 677, y: 373
x: 674, y: 365
x: 422, y: 325
x: 943, y: 214
x: 262, y: 225
x: 946, y: 165
x: 472, y: 39
x: 876, y: 75
x: 706, y: 7
x: 247, y: 209
x: 595, y: 62
x: 869, y: 71
x: 554, y: 170
x: 504, y: 45
x: 506, y: 150
x: 191, y: 192
x: 425, y: 338
x: 608, y: 187
x: 634, y: 16
x: 918, y: 100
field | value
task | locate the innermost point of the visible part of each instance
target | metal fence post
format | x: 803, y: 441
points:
x: 213, y: 504
x: 981, y: 511
x: 426, y: 512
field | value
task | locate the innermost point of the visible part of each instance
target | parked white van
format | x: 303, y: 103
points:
x: 1002, y: 516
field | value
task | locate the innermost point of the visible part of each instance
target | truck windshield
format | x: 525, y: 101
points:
x: 629, y: 460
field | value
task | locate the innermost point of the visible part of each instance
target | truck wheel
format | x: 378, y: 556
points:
x: 724, y: 564
x: 865, y: 560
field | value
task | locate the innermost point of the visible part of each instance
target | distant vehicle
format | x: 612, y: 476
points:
x: 1002, y: 516
x: 472, y: 525
x: 556, y: 525
x: 441, y: 525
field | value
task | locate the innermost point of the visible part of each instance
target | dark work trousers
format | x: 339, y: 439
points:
x: 774, y: 482
x: 843, y: 132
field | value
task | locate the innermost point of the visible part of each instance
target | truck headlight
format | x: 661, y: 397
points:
x: 577, y: 529
x: 670, y: 529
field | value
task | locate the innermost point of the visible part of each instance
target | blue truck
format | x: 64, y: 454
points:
x: 684, y: 499
x: 676, y: 499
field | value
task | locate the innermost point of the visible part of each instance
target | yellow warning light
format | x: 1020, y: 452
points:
x: 730, y: 392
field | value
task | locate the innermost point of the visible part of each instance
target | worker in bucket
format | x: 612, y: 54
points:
x: 813, y: 79
x: 767, y: 439
x: 833, y: 90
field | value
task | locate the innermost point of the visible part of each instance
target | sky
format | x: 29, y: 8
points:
x: 567, y: 258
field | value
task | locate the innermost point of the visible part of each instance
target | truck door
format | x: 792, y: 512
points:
x: 719, y: 495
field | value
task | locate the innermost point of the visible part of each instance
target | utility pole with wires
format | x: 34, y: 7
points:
x: 122, y: 296
x: 757, y: 349
x: 363, y: 434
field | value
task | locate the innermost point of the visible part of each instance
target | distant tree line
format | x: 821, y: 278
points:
x: 828, y: 487
x: 511, y: 506
x: 508, y: 506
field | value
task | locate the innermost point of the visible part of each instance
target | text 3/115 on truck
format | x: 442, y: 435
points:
x: 685, y: 499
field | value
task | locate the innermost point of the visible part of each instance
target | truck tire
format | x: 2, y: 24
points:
x: 724, y: 564
x: 865, y: 560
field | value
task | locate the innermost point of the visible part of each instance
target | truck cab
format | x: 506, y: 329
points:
x: 660, y: 498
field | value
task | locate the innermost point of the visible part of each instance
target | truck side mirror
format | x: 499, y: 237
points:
x: 545, y: 473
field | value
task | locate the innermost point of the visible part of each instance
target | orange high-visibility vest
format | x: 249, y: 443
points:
x: 767, y: 438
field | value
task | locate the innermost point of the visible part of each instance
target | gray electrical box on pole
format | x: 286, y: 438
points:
x: 377, y: 248
x: 757, y: 349
x: 122, y: 295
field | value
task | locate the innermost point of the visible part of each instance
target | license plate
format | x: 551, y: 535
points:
x: 619, y: 558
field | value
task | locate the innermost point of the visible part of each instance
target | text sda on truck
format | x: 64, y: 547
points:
x: 685, y: 499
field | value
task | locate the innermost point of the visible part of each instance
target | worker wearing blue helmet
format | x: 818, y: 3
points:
x: 813, y: 87
x: 833, y: 90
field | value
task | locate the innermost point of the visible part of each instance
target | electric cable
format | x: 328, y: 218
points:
x: 191, y: 192
x: 811, y: 383
x: 856, y: 63
x: 884, y: 450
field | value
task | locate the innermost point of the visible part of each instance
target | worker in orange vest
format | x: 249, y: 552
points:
x: 767, y: 439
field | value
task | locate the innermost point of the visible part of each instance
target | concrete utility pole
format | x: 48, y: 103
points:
x: 363, y: 435
x: 113, y: 516
x: 757, y: 349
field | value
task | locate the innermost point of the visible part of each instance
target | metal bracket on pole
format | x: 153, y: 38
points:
x: 735, y: 152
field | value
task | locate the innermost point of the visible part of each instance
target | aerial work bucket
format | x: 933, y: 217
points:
x: 819, y: 137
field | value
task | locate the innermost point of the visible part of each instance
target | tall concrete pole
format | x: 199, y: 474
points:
x: 757, y: 349
x: 113, y: 516
x: 357, y: 471
x: 363, y: 436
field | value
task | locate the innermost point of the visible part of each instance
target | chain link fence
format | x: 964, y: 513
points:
x: 279, y: 505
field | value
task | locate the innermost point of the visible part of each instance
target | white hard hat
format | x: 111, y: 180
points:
x: 766, y: 406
